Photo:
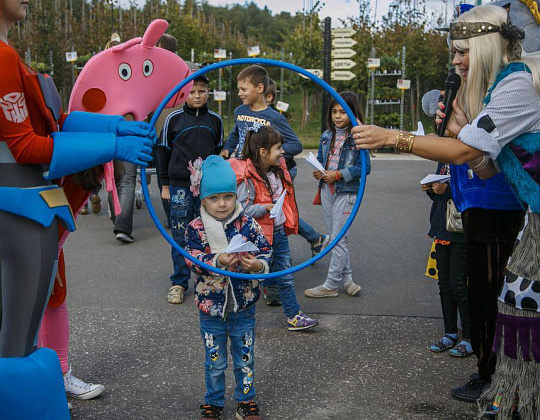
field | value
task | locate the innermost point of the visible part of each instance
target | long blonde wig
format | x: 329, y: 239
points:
x: 487, y: 56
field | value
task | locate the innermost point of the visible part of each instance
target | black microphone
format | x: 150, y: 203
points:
x: 451, y: 87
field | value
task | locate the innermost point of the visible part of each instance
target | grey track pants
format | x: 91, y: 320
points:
x: 336, y: 210
x: 28, y: 260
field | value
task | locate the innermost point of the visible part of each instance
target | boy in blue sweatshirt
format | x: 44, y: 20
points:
x: 252, y: 85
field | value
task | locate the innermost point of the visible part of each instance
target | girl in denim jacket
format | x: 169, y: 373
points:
x: 338, y: 188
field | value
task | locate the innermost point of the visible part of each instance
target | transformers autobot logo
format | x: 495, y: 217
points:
x: 14, y: 107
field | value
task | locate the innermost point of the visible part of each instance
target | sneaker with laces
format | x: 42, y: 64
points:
x: 248, y: 411
x: 321, y: 292
x: 301, y: 322
x: 176, y: 295
x: 212, y: 412
x: 75, y: 388
x: 352, y: 288
x: 317, y: 246
x: 124, y: 237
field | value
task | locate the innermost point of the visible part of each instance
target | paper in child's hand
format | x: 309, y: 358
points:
x: 435, y: 178
x: 239, y: 244
x: 420, y: 131
x: 312, y: 160
x: 277, y: 210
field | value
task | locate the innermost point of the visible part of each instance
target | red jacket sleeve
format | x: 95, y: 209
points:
x: 15, y: 125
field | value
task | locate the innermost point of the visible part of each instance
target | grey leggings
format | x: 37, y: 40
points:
x: 28, y: 260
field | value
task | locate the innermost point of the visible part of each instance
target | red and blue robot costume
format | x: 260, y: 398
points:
x: 33, y: 152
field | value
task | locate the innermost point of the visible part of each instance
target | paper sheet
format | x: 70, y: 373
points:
x: 312, y: 160
x: 420, y: 131
x: 435, y: 178
x: 277, y: 210
x: 239, y: 244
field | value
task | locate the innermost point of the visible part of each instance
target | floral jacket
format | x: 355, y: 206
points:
x: 206, y: 239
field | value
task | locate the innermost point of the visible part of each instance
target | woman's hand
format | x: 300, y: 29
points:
x: 250, y: 263
x: 318, y: 175
x: 228, y: 259
x: 439, y: 188
x: 373, y: 137
x: 330, y: 176
x: 165, y: 193
x: 458, y: 118
x: 268, y: 207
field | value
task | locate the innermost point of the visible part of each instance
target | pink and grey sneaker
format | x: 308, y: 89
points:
x: 248, y: 411
x: 301, y: 322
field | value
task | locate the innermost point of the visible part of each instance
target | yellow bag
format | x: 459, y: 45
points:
x: 431, y: 269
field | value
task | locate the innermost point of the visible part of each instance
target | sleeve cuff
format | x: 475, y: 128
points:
x: 266, y: 267
x: 347, y: 177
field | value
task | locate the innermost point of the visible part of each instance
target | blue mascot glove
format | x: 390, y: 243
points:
x: 137, y: 150
x: 133, y: 128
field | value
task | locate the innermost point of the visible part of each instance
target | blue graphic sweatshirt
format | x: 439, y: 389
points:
x: 244, y: 118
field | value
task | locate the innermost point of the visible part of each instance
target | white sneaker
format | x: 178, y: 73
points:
x: 75, y: 388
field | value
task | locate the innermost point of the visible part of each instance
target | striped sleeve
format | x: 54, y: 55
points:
x: 513, y: 110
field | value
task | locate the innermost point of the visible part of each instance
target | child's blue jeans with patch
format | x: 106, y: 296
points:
x: 240, y: 328
x: 184, y: 208
x: 281, y: 260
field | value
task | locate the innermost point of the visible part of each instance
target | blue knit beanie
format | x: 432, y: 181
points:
x: 217, y: 177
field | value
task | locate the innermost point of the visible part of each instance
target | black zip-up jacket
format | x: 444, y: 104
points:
x: 187, y: 134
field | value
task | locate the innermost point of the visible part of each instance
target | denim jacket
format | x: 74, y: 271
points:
x: 350, y: 163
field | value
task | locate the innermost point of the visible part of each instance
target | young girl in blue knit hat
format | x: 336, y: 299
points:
x: 227, y: 307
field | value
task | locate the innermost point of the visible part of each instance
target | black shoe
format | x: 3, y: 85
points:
x: 211, y: 412
x: 271, y: 294
x: 471, y: 391
x: 474, y: 376
x: 248, y: 411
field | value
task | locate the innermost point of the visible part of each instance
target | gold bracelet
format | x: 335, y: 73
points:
x: 404, y: 141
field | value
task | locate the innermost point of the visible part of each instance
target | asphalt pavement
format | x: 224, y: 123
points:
x: 368, y: 358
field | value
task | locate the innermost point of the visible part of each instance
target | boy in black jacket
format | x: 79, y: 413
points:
x: 189, y: 133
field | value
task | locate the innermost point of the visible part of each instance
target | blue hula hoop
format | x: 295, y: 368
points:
x: 361, y: 189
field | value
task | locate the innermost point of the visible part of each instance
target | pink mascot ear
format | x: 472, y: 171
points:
x: 154, y: 31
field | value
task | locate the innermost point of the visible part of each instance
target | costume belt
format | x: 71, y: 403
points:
x: 40, y: 204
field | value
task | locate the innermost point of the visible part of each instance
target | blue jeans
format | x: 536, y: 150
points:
x: 281, y: 260
x: 240, y: 328
x: 184, y: 208
x: 304, y: 228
